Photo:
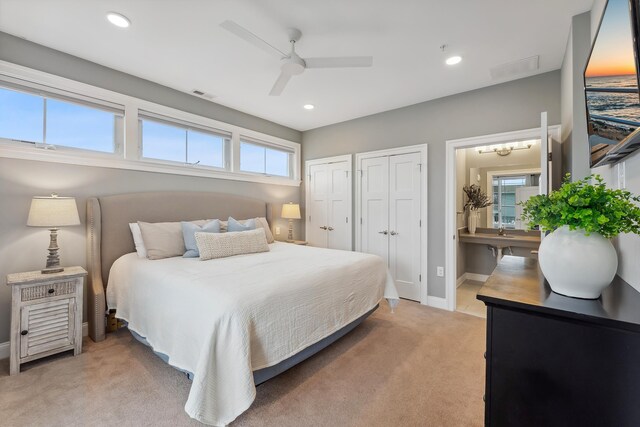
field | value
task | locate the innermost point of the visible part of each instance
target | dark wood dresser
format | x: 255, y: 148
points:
x: 559, y: 361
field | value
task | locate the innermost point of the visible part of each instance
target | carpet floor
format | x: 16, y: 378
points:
x: 419, y: 366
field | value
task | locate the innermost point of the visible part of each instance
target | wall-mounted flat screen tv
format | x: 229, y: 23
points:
x: 611, y: 85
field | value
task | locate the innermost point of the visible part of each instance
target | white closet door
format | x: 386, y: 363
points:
x: 317, y: 215
x: 404, y: 223
x: 375, y: 206
x: 338, y: 206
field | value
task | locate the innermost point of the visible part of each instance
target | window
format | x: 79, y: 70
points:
x: 41, y: 119
x: 90, y: 126
x: 176, y: 142
x: 264, y: 159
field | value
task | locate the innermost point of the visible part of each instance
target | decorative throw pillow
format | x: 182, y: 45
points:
x: 222, y: 245
x: 234, y: 225
x: 163, y: 239
x: 261, y: 222
x: 188, y: 233
x: 137, y: 239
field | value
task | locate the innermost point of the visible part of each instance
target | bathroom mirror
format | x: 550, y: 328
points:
x: 508, y: 173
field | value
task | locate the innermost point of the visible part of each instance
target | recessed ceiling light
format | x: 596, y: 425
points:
x: 118, y: 19
x: 309, y: 106
x: 453, y: 60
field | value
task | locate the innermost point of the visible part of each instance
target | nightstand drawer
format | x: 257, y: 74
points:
x: 47, y: 326
x: 48, y: 290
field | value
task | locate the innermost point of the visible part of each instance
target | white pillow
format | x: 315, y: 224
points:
x: 137, y: 239
x: 222, y: 245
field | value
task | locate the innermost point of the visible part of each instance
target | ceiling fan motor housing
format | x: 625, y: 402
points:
x: 293, y: 65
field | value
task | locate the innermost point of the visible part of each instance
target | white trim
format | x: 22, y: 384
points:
x: 307, y: 207
x: 423, y: 150
x: 460, y: 280
x: 129, y: 157
x: 450, y: 194
x: 6, y: 346
x: 437, y: 302
x: 508, y: 172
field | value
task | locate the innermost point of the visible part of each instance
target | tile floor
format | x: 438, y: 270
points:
x: 466, y: 301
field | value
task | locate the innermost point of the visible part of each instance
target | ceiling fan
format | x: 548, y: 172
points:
x: 292, y: 64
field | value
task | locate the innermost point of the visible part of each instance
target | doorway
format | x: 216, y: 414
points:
x: 469, y: 162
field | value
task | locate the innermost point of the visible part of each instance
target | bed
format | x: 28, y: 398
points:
x: 231, y: 322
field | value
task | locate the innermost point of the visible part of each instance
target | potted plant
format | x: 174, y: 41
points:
x: 577, y: 258
x: 476, y: 200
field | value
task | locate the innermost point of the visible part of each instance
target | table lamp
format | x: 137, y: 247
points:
x: 290, y: 211
x: 53, y: 212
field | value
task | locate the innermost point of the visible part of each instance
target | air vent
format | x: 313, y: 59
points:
x: 515, y: 68
x: 203, y: 94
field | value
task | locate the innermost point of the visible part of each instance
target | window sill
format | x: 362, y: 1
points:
x: 72, y: 157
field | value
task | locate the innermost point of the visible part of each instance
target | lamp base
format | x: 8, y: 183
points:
x: 50, y: 270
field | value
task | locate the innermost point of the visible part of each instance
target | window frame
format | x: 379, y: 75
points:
x: 492, y: 174
x: 266, y: 145
x: 128, y: 154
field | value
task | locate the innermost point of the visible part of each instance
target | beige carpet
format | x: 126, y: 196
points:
x: 418, y: 367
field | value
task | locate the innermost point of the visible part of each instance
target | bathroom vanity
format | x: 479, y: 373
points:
x: 552, y: 360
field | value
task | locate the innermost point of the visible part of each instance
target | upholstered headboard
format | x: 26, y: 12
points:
x: 109, y: 236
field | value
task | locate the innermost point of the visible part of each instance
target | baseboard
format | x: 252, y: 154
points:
x: 5, y: 346
x: 437, y: 302
x: 4, y: 350
x: 477, y: 277
x: 461, y: 280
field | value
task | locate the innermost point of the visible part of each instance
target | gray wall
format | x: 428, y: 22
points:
x: 575, y: 146
x: 506, y: 107
x: 23, y: 248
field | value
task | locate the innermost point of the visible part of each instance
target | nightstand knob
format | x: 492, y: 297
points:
x: 51, y: 290
x: 24, y: 332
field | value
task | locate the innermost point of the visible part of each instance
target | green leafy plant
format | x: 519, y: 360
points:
x: 584, y: 205
x: 476, y: 198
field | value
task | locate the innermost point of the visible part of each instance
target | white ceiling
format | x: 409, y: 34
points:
x: 179, y: 43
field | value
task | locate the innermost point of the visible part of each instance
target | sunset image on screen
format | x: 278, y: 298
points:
x: 613, y: 51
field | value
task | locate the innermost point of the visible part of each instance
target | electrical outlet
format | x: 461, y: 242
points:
x: 440, y: 271
x: 277, y: 230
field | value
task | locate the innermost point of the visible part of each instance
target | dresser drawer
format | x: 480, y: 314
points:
x: 48, y: 290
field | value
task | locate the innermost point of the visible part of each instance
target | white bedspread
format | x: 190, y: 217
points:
x: 222, y: 319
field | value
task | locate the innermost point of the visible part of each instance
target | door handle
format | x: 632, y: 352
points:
x: 383, y: 232
x: 330, y: 228
x: 393, y: 233
x: 324, y: 227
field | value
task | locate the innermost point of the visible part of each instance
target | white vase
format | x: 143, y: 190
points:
x: 473, y: 221
x: 577, y: 265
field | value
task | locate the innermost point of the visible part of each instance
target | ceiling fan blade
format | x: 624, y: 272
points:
x: 339, y: 62
x: 280, y: 84
x: 248, y: 36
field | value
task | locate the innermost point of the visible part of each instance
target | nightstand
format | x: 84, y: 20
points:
x: 46, y: 314
x: 299, y: 242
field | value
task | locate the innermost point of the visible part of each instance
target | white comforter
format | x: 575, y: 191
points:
x: 222, y: 319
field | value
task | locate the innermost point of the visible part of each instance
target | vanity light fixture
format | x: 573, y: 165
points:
x: 118, y: 19
x: 505, y: 149
x: 309, y: 106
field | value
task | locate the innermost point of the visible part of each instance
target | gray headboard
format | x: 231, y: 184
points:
x: 109, y: 237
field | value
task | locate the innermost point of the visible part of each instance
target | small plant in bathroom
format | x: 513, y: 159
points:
x: 577, y: 258
x: 476, y: 200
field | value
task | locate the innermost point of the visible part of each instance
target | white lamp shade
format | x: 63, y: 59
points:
x: 291, y: 211
x: 53, y: 212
